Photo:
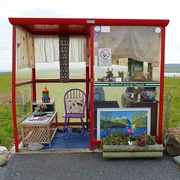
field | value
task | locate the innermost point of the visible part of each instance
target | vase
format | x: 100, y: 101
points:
x: 149, y: 94
x: 133, y: 151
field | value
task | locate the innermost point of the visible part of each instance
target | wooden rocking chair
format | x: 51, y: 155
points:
x: 74, y: 107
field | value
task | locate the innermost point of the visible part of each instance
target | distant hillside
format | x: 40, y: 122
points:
x: 169, y: 68
x: 5, y: 71
x: 174, y: 68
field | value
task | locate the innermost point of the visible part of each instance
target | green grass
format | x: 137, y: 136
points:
x: 6, y: 127
x: 172, y: 85
x: 5, y: 82
x: 57, y: 91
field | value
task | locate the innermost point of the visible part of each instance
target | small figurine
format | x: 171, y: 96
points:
x: 121, y: 74
x: 109, y: 74
x: 45, y: 95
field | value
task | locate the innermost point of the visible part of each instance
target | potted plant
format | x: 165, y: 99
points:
x: 39, y: 110
x: 120, y: 145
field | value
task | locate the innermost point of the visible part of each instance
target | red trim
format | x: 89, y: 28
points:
x: 14, y: 88
x: 87, y: 95
x: 23, y: 83
x: 89, y: 21
x: 92, y: 88
x: 96, y: 143
x: 47, y: 81
x: 58, y: 81
x: 159, y: 139
x: 77, y: 27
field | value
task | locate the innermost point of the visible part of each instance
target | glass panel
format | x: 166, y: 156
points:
x: 48, y: 70
x: 77, y: 70
x: 127, y: 53
x: 56, y: 92
x: 127, y: 67
x: 23, y: 75
x: 23, y: 102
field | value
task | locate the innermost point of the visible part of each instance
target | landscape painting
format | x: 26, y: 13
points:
x: 130, y: 121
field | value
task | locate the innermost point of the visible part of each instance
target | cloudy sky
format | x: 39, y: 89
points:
x: 122, y: 9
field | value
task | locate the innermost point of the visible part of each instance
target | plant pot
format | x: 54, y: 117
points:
x: 149, y: 94
x: 132, y: 151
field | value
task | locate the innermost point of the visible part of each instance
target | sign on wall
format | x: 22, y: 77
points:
x: 104, y: 56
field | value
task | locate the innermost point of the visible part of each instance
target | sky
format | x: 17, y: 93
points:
x: 121, y: 9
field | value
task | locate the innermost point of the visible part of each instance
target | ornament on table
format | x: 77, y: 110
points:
x: 45, y: 95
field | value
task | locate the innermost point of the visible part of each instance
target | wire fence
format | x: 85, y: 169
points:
x: 5, y: 97
x: 172, y: 103
x: 23, y: 109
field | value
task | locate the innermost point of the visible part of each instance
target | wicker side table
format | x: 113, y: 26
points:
x: 39, y: 129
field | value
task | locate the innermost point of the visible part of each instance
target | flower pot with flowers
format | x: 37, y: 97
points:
x: 120, y: 145
x: 39, y: 110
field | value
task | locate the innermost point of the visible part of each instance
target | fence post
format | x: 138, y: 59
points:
x: 25, y: 103
x: 168, y: 107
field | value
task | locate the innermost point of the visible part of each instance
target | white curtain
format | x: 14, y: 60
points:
x: 77, y: 49
x: 47, y: 49
x: 25, y: 49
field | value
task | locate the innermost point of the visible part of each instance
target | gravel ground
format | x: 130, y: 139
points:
x: 86, y: 166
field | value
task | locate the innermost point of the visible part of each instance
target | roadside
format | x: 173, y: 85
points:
x: 86, y: 166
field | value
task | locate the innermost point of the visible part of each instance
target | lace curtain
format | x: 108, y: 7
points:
x: 25, y: 49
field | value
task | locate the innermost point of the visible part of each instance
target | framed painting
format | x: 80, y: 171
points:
x: 130, y: 121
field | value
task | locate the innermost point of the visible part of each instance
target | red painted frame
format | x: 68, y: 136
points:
x: 29, y: 25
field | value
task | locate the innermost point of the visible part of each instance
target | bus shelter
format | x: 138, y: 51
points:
x: 121, y: 56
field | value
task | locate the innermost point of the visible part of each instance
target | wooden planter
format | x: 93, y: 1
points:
x: 128, y: 151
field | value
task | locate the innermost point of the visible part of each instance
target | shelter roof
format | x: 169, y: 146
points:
x: 77, y: 26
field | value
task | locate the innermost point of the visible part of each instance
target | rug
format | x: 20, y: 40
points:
x: 73, y: 138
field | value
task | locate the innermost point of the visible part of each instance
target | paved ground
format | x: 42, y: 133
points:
x: 86, y: 166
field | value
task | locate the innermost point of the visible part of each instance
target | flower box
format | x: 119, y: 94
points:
x: 119, y: 145
x: 132, y: 151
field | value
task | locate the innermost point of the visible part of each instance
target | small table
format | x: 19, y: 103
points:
x: 39, y: 129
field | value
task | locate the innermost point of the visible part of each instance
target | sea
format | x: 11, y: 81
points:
x: 174, y: 75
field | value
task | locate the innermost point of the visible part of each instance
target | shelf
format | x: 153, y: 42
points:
x: 127, y: 84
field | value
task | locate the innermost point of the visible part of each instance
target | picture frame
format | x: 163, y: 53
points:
x: 132, y: 121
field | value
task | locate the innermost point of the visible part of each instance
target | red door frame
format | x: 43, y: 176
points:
x: 93, y: 142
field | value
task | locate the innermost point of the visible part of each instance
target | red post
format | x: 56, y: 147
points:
x: 14, y: 88
x: 91, y: 87
x: 160, y: 126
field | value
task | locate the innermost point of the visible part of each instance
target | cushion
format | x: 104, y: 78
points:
x: 74, y: 105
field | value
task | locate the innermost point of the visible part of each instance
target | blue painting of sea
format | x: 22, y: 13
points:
x: 110, y: 131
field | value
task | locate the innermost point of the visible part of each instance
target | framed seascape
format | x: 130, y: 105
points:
x: 129, y: 121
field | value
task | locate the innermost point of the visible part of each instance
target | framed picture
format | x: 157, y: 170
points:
x: 130, y: 121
